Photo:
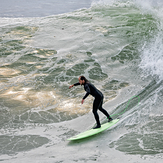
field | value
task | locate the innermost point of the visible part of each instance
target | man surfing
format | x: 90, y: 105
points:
x: 98, y: 101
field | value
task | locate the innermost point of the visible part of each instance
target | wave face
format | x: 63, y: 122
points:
x: 117, y: 45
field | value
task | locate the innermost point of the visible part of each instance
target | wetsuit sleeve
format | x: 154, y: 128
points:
x: 86, y: 95
x: 76, y: 84
x: 87, y: 89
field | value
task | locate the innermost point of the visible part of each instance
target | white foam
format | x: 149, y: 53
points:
x: 145, y: 4
x: 152, y: 57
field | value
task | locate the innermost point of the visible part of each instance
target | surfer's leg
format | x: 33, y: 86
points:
x: 104, y: 111
x: 95, y: 107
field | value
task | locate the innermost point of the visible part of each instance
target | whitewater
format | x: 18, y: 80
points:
x: 115, y: 44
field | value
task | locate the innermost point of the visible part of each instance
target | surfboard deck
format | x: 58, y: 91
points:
x: 92, y: 132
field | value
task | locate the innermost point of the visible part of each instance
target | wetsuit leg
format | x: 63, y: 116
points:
x: 103, y: 110
x: 95, y: 108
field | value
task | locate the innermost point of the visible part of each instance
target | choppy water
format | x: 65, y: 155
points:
x: 118, y: 46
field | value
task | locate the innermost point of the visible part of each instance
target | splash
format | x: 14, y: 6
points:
x: 152, y: 58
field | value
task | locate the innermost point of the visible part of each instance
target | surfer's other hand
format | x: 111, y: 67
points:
x: 82, y: 101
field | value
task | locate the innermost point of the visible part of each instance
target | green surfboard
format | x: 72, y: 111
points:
x: 94, y: 131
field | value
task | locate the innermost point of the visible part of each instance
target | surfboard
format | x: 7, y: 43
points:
x: 92, y: 132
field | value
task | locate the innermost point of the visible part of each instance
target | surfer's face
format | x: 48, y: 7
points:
x: 81, y: 81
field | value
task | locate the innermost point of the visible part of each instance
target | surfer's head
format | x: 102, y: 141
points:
x: 82, y: 80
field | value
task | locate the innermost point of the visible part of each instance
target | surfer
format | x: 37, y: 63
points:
x: 98, y: 101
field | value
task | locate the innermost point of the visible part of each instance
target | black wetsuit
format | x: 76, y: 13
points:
x: 98, y: 101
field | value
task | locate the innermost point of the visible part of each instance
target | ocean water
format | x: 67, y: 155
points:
x: 118, y: 46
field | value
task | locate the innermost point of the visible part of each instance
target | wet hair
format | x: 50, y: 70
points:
x: 84, y: 78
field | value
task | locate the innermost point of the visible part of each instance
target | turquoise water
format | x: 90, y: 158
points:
x: 117, y: 45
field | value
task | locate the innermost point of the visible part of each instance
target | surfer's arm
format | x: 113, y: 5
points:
x: 87, y: 89
x: 86, y: 95
x: 74, y: 85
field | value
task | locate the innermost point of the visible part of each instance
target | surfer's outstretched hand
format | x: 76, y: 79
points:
x: 71, y: 86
